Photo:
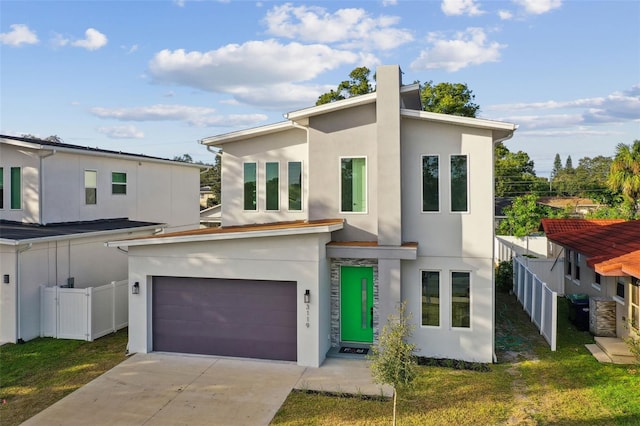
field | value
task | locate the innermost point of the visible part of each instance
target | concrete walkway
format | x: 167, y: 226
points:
x: 171, y: 389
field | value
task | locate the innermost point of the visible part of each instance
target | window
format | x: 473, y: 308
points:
x: 1, y: 187
x: 430, y: 183
x: 118, y: 183
x: 598, y: 279
x: 90, y: 186
x: 295, y: 185
x: 431, y: 298
x: 16, y: 188
x: 353, y: 188
x: 578, y: 260
x: 272, y: 172
x: 460, y: 299
x: 250, y: 182
x: 620, y: 289
x: 635, y: 304
x: 459, y: 202
x: 568, y: 258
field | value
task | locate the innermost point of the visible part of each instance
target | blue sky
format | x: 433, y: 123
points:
x: 154, y: 77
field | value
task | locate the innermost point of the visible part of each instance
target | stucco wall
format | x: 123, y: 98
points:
x: 29, y: 161
x: 287, y: 258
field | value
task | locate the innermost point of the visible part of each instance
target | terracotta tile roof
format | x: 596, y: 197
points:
x: 556, y: 226
x: 608, y: 247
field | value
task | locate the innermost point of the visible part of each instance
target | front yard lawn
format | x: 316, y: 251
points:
x: 530, y: 385
x: 39, y: 372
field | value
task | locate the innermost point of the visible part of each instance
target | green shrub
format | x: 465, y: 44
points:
x: 504, y: 276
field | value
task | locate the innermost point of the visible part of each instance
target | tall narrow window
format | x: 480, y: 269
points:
x: 568, y: 261
x: 16, y: 188
x: 90, y: 187
x: 118, y: 183
x: 459, y: 183
x: 620, y: 288
x: 353, y: 185
x: 460, y: 299
x: 250, y: 181
x: 430, y: 183
x: 272, y: 171
x: 1, y: 187
x: 578, y: 261
x: 295, y: 185
x: 430, y: 298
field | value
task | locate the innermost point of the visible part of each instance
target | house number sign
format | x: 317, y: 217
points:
x: 308, y: 316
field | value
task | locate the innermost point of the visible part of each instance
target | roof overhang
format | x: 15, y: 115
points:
x: 368, y: 250
x: 303, y: 114
x: 235, y: 233
x: 248, y: 133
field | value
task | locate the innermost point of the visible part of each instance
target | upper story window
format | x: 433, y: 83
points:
x: 1, y: 187
x: 430, y: 183
x: 295, y: 185
x: 353, y: 185
x: 250, y: 185
x: 461, y: 299
x: 16, y: 188
x: 431, y: 298
x: 272, y: 173
x: 118, y: 183
x: 90, y: 187
x: 459, y: 183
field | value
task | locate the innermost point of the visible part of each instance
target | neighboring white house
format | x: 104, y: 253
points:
x: 331, y: 219
x: 60, y: 203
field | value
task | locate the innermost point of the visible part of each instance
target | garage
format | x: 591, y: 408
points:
x: 226, y: 317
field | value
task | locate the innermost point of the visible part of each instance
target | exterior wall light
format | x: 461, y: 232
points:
x: 135, y: 289
x: 307, y: 296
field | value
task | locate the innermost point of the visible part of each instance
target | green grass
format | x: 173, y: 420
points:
x: 529, y: 386
x: 39, y: 372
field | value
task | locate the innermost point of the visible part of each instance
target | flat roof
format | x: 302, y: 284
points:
x: 14, y: 233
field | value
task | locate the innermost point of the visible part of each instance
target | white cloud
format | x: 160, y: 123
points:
x: 505, y: 15
x: 193, y: 116
x: 460, y: 7
x: 538, y: 7
x: 130, y: 49
x: 121, y: 132
x: 58, y: 40
x: 386, y: 3
x: 20, y: 34
x: 345, y: 27
x: 243, y: 69
x: 469, y: 47
x: 93, y: 40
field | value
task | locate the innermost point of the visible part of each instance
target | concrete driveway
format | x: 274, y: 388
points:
x: 169, y: 389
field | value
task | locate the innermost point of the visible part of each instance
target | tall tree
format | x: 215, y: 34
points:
x: 515, y: 174
x: 358, y: 84
x: 568, y: 166
x: 523, y: 216
x: 557, y: 166
x: 448, y: 98
x: 624, y: 175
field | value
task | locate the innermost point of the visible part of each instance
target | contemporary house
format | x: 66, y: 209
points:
x: 602, y: 261
x: 330, y: 219
x: 60, y: 203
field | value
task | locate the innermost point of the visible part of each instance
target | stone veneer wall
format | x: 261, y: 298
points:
x: 335, y: 296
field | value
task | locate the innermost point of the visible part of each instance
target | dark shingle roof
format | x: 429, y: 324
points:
x: 18, y: 231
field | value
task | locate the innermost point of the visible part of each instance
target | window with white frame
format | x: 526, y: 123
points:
x: 353, y: 185
x: 90, y: 187
x: 250, y: 176
x: 598, y: 280
x: 459, y: 183
x: 635, y: 304
x: 620, y: 288
x: 577, y: 268
x: 295, y: 185
x: 568, y: 262
x: 430, y: 183
x: 272, y: 185
x: 118, y: 183
x: 430, y: 298
x: 16, y: 188
x: 461, y: 299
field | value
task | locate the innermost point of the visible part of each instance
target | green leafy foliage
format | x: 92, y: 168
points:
x: 358, y: 84
x: 504, y: 276
x: 515, y: 174
x: 625, y: 175
x: 523, y: 216
x: 448, y: 98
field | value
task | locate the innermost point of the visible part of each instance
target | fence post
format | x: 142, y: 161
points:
x: 113, y: 306
x: 89, y: 313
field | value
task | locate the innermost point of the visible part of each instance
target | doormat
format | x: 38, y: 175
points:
x: 352, y: 350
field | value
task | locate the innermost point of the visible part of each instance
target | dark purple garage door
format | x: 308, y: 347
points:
x: 252, y: 319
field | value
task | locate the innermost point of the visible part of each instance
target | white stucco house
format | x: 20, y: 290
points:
x: 330, y: 219
x: 60, y: 203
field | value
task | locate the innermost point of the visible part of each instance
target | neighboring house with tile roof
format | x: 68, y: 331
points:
x: 330, y: 219
x: 60, y: 203
x: 602, y: 260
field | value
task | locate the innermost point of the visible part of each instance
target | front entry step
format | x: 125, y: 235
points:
x: 350, y: 351
x: 613, y: 348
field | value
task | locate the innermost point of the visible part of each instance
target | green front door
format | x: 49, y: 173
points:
x: 356, y: 304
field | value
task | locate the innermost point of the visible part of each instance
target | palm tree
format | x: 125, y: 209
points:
x: 624, y: 175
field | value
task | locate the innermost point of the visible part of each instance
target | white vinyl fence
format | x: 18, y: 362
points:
x: 84, y: 313
x: 537, y: 299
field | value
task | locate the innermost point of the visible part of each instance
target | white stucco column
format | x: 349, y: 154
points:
x: 389, y: 277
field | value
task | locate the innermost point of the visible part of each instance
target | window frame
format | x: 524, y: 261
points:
x: 119, y: 184
x: 576, y: 269
x: 451, y: 210
x: 364, y: 190
x: 620, y: 288
x: 422, y: 295
x: 451, y: 302
x: 1, y: 188
x: 266, y: 186
x: 15, y: 194
x: 244, y: 186
x: 438, y: 184
x: 569, y: 263
x: 95, y: 188
x: 634, y: 305
x: 289, y: 185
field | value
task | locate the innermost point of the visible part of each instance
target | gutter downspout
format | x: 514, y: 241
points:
x: 18, y: 301
x: 41, y: 185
